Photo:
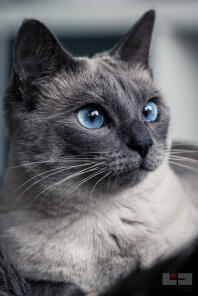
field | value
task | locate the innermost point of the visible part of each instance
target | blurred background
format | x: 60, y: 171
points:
x: 88, y: 26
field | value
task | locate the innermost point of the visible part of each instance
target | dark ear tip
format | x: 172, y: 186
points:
x: 151, y: 12
x: 29, y: 24
x: 28, y: 28
x: 150, y: 15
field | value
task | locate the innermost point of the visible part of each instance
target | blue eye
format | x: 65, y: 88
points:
x: 150, y: 112
x: 91, y: 117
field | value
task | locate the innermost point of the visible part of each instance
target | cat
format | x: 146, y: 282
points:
x: 90, y: 194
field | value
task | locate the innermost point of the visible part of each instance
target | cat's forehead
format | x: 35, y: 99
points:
x: 119, y: 78
x: 102, y: 77
x: 105, y: 64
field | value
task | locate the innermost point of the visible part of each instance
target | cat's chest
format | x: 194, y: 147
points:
x: 92, y: 252
x: 96, y: 249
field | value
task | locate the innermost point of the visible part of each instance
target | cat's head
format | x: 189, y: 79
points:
x: 101, y: 121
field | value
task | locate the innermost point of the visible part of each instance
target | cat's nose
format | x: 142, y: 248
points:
x: 137, y: 137
x: 142, y: 147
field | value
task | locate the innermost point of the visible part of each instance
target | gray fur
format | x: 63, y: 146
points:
x: 133, y: 211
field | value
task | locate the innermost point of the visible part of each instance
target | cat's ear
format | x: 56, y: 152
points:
x: 37, y: 52
x: 135, y: 46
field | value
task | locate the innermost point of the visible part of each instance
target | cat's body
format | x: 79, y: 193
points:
x: 132, y: 208
x: 111, y: 237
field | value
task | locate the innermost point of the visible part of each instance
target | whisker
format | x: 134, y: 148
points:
x: 60, y: 159
x: 98, y: 183
x: 191, y: 160
x: 54, y: 173
x: 46, y: 161
x: 78, y: 160
x: 180, y: 144
x: 87, y: 179
x: 184, y: 150
x: 182, y: 156
x: 182, y: 165
x: 81, y: 156
x: 21, y: 186
x: 67, y: 178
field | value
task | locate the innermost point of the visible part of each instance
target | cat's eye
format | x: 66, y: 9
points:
x: 91, y: 117
x: 150, y: 112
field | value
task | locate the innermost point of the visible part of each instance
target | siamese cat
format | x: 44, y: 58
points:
x: 89, y: 194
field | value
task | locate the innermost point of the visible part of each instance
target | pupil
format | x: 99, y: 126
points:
x: 147, y: 110
x: 92, y: 115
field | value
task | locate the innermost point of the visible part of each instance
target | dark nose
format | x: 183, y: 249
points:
x: 137, y: 137
x: 142, y: 147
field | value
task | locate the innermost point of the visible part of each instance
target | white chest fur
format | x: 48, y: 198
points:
x: 115, y: 234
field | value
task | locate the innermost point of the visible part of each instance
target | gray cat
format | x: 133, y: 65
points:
x: 90, y: 193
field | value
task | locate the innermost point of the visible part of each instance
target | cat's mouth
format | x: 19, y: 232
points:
x: 129, y: 179
x: 129, y: 168
x: 132, y: 174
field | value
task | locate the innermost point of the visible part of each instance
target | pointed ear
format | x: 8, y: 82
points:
x: 37, y: 52
x: 135, y: 46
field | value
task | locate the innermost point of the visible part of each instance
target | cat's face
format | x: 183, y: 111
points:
x: 100, y: 121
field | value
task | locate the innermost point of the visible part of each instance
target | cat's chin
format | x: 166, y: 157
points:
x: 132, y: 177
x: 126, y: 180
x: 149, y: 166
